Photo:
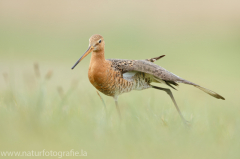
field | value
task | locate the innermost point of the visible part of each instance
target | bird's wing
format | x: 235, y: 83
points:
x: 155, y: 58
x: 146, y: 67
x: 159, y: 73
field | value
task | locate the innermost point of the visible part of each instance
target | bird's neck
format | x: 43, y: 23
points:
x: 97, y: 58
x: 96, y: 68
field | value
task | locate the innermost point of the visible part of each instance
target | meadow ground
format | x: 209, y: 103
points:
x: 44, y: 105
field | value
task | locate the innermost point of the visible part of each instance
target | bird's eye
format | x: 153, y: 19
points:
x: 100, y: 41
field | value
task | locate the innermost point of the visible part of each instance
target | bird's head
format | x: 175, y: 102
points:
x: 96, y: 44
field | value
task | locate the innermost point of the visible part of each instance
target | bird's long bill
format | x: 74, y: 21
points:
x: 83, y: 56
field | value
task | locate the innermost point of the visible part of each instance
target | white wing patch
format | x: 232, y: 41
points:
x: 129, y: 75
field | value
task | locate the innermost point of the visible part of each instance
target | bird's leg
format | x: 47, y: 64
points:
x: 168, y: 91
x: 102, y: 101
x: 116, y: 103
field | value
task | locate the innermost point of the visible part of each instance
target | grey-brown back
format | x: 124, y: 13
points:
x: 147, y: 67
x: 156, y: 71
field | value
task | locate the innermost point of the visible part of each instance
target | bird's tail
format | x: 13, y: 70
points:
x: 211, y: 93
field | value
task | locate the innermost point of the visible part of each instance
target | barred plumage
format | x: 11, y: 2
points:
x: 116, y: 76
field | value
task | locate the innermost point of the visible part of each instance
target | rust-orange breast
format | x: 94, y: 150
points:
x: 106, y: 79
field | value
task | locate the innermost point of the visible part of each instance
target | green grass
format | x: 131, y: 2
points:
x: 62, y: 111
x: 37, y: 113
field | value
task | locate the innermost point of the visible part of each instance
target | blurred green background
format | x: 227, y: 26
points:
x: 46, y: 105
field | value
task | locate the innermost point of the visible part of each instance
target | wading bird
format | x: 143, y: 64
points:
x: 113, y: 77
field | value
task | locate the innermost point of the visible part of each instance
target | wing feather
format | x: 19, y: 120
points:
x: 147, y: 67
x: 159, y: 73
